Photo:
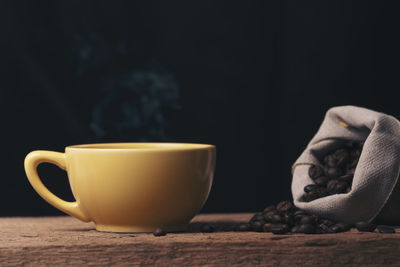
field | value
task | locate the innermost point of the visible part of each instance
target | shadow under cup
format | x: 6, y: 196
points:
x: 131, y: 187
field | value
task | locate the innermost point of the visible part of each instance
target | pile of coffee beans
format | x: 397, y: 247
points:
x: 285, y: 217
x: 335, y: 174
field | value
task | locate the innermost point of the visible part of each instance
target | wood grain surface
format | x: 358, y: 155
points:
x: 65, y: 241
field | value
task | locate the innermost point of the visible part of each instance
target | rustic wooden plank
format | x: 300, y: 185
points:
x: 62, y: 241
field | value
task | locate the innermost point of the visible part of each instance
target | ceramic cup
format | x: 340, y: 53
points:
x: 131, y: 187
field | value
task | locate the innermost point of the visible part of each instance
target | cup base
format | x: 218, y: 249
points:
x: 138, y: 229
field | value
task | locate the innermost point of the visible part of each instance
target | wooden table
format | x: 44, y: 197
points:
x: 65, y: 241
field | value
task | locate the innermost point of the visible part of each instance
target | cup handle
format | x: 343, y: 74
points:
x: 32, y: 160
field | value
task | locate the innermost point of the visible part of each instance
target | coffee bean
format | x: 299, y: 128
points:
x: 324, y: 228
x: 288, y: 218
x: 322, y: 192
x: 365, y: 226
x: 207, y: 228
x: 268, y: 216
x: 315, y: 171
x: 385, y: 229
x: 331, y: 185
x: 321, y: 181
x: 295, y: 229
x: 311, y: 188
x: 257, y: 226
x: 334, y: 172
x: 279, y: 228
x: 272, y: 212
x: 276, y: 218
x: 268, y: 219
x: 327, y: 222
x: 310, y: 196
x: 348, y: 178
x: 269, y: 208
x: 342, y: 162
x: 267, y: 227
x: 257, y: 217
x: 334, y: 229
x: 284, y: 206
x: 307, y: 220
x: 330, y: 161
x: 343, y: 227
x: 243, y: 227
x: 159, y: 232
x: 340, y: 187
x: 306, y: 229
x: 298, y: 215
x: 342, y: 156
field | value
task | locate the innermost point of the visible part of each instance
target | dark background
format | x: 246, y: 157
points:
x: 252, y: 77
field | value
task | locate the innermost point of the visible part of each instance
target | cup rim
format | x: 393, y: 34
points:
x: 140, y: 146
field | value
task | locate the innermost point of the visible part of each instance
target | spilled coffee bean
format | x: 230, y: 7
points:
x: 269, y: 208
x: 284, y: 206
x: 257, y: 226
x: 279, y: 228
x: 243, y: 227
x: 335, y: 174
x: 307, y: 220
x: 385, y: 229
x: 207, y: 228
x: 334, y: 229
x: 343, y: 227
x: 365, y: 226
x: 323, y: 228
x: 306, y: 229
x: 295, y: 229
x: 267, y: 227
x: 159, y: 232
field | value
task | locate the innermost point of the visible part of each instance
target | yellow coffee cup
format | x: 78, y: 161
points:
x: 131, y: 187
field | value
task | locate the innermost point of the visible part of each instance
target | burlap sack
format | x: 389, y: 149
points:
x: 376, y: 174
